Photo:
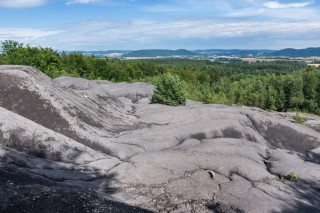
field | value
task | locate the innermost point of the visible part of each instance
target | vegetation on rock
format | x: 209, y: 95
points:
x: 293, y: 177
x: 299, y: 119
x: 169, y: 90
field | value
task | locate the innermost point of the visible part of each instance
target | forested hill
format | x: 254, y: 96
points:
x: 290, y: 52
x: 159, y: 52
x: 233, y: 52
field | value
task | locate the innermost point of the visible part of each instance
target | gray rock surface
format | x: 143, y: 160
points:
x: 101, y: 147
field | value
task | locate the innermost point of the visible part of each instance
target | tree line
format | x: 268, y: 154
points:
x: 276, y: 85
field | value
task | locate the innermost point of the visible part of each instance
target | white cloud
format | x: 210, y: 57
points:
x: 82, y: 1
x: 21, y: 3
x: 165, y: 9
x: 286, y: 14
x: 190, y: 6
x: 114, y: 34
x: 25, y: 33
x: 277, y: 5
x: 139, y: 34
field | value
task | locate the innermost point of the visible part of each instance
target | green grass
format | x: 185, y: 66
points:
x: 299, y: 119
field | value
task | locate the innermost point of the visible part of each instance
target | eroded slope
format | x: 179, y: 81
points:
x: 108, y: 138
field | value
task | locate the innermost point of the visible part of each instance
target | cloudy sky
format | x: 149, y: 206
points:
x: 164, y: 24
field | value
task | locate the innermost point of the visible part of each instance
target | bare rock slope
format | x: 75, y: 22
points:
x: 94, y: 146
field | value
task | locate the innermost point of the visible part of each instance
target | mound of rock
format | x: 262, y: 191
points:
x: 102, y: 147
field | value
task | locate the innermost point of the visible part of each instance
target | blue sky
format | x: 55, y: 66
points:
x: 166, y: 24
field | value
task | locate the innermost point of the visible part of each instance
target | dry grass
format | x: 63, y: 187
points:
x: 314, y: 65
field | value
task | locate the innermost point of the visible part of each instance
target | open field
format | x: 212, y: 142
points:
x: 252, y: 60
x: 314, y: 65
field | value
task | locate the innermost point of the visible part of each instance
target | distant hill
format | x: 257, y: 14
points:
x: 232, y: 52
x: 102, y: 53
x: 290, y: 52
x: 99, y: 52
x: 159, y: 52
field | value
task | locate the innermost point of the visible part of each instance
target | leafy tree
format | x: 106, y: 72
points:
x: 3, y: 59
x: 10, y: 46
x: 271, y: 98
x: 169, y: 90
x: 293, y: 89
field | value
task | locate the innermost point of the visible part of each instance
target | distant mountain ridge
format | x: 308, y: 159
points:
x: 98, y: 51
x: 159, y: 53
x: 288, y: 52
x: 233, y: 52
x: 291, y: 52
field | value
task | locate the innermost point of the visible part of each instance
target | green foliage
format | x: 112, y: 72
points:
x: 276, y: 85
x: 8, y: 47
x: 299, y: 119
x: 3, y: 60
x: 45, y: 59
x: 158, y: 52
x: 293, y: 176
x: 169, y: 90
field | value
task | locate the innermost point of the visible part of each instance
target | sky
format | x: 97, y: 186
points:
x: 161, y: 24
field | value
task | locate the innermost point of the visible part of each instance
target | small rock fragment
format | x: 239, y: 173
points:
x: 211, y: 173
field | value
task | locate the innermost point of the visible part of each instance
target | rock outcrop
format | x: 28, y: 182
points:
x: 101, y: 147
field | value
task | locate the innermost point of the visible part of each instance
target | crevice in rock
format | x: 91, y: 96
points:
x: 219, y: 207
x: 226, y: 133
x: 266, y: 161
x: 169, y: 170
x: 135, y: 98
x: 253, y: 125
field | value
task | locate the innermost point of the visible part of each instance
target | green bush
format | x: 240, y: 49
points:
x: 169, y: 90
x: 293, y: 177
x: 299, y: 119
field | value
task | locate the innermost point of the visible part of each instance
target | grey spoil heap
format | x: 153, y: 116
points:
x: 77, y: 145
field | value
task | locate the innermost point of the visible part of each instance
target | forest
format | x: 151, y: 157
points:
x: 155, y: 53
x: 277, y: 85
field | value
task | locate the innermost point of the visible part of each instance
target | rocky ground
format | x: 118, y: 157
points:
x: 73, y: 145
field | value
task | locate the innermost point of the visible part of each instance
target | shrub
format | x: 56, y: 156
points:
x: 169, y: 90
x: 293, y: 177
x: 299, y: 119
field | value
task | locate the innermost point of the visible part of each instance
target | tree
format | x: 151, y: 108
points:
x: 10, y: 46
x: 293, y: 89
x: 169, y: 90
